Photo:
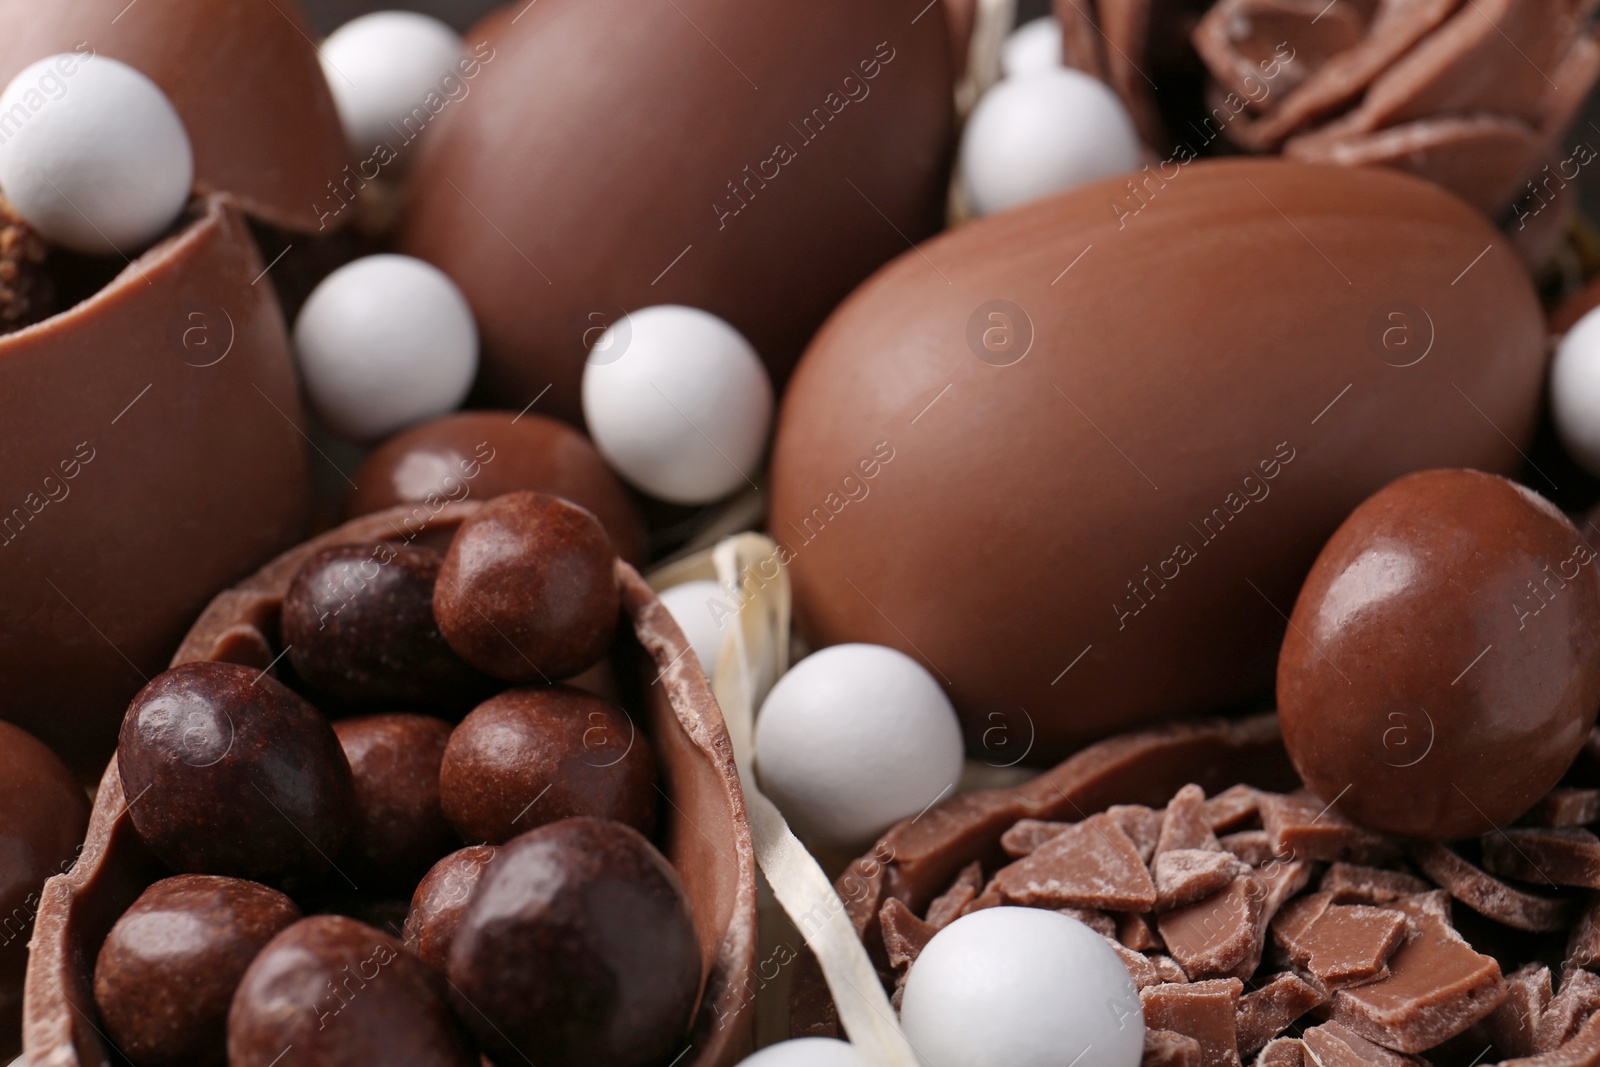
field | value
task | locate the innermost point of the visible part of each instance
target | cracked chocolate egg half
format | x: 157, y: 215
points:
x: 149, y: 414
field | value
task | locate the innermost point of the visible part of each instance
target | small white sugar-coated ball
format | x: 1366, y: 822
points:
x: 679, y: 404
x: 854, y: 739
x: 806, y: 1052
x: 1032, y: 47
x: 1021, y: 987
x: 381, y: 67
x: 385, y: 342
x: 703, y: 613
x: 1042, y: 133
x: 1575, y: 391
x: 92, y: 154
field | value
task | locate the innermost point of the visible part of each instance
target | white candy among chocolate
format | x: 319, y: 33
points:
x: 1575, y: 391
x: 806, y: 1052
x: 382, y: 68
x: 700, y: 609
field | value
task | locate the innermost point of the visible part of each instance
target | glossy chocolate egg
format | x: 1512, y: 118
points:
x: 233, y: 773
x: 482, y: 454
x: 43, y: 813
x: 179, y: 366
x: 244, y: 77
x: 167, y: 971
x: 821, y: 133
x: 578, y: 946
x: 341, y: 993
x: 1077, y: 457
x: 1442, y: 665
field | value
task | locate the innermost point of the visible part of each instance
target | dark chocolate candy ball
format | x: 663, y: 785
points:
x: 167, y: 971
x: 342, y: 994
x: 43, y: 814
x: 399, y: 828
x: 527, y: 591
x: 440, y: 901
x: 532, y: 756
x: 1442, y: 666
x: 228, y: 771
x: 577, y: 950
x: 358, y: 624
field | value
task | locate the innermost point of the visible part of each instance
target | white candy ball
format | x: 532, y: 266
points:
x: 381, y: 67
x: 1041, y: 133
x: 1032, y: 47
x: 806, y: 1052
x: 691, y: 606
x: 678, y: 403
x: 92, y: 153
x: 854, y: 739
x: 1575, y: 391
x: 385, y: 342
x: 1021, y: 987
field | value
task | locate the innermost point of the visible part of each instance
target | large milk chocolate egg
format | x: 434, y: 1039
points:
x: 1077, y: 457
x: 243, y: 75
x: 755, y: 160
x: 1442, y: 666
x: 153, y: 454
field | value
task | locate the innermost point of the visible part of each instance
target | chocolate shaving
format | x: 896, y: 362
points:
x: 1185, y: 875
x: 1303, y: 827
x: 1333, y: 1045
x: 1489, y: 896
x: 904, y: 935
x: 1512, y: 1025
x: 1028, y: 834
x: 1091, y: 864
x: 1220, y: 936
x: 1565, y: 807
x: 1185, y: 826
x: 1267, y: 1012
x: 1566, y: 855
x: 1136, y: 932
x: 1166, y: 1048
x: 1572, y: 1006
x: 1233, y: 809
x: 1348, y: 883
x: 947, y: 906
x: 1204, y: 1011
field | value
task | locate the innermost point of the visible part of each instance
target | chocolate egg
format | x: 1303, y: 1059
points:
x: 482, y: 454
x: 1442, y: 665
x: 244, y: 76
x: 1077, y: 457
x: 43, y: 814
x: 823, y: 138
x: 179, y: 365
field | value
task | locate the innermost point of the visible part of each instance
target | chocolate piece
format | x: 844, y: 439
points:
x: 1466, y: 543
x: 1566, y: 807
x: 1253, y: 847
x: 1166, y: 1048
x: 1185, y: 875
x: 25, y: 290
x: 1028, y: 834
x: 904, y: 935
x: 1267, y: 1012
x: 1333, y: 1045
x: 527, y: 592
x: 1284, y: 1052
x: 338, y: 991
x: 578, y: 943
x: 1221, y: 936
x: 234, y: 774
x: 399, y: 828
x: 358, y: 624
x: 532, y: 756
x: 1513, y: 1024
x: 1184, y: 825
x: 1567, y: 855
x: 1436, y: 988
x: 1140, y: 968
x: 1204, y: 1011
x: 946, y: 907
x: 1137, y: 932
x: 1092, y: 864
x: 1488, y: 895
x: 1098, y: 921
x: 483, y: 454
x: 1141, y: 824
x: 1232, y: 808
x: 167, y: 971
x: 1304, y: 827
x: 1216, y: 632
x: 1573, y: 1004
x: 1347, y: 944
x: 1349, y: 883
x: 440, y: 901
x: 1583, y: 945
x: 1167, y: 969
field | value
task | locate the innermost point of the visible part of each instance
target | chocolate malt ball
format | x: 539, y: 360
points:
x: 399, y: 828
x: 440, y: 901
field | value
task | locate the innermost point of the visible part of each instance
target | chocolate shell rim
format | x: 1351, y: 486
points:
x: 230, y: 628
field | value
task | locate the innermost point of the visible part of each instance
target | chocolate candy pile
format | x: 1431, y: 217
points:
x: 560, y: 935
x: 1259, y: 924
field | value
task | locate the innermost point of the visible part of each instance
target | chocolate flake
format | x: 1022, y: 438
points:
x: 1566, y: 855
x: 1565, y: 807
x: 1185, y: 875
x: 1333, y: 1045
x: 1267, y: 1012
x: 1204, y: 1011
x: 947, y: 907
x: 1220, y: 936
x: 904, y: 935
x: 1574, y: 1003
x: 1513, y: 1024
x: 1253, y: 847
x: 1349, y: 883
x: 1026, y: 835
x: 1167, y: 1048
x: 1185, y: 825
x: 1233, y: 808
x: 1350, y: 944
x: 1136, y: 932
x: 1489, y: 896
x: 1141, y: 824
x: 1091, y: 864
x: 1307, y: 828
x: 1141, y: 969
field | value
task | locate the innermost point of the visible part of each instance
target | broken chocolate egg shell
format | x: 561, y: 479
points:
x: 703, y: 833
x: 1172, y: 431
x: 831, y: 143
x: 244, y: 76
x: 1441, y: 670
x: 155, y: 454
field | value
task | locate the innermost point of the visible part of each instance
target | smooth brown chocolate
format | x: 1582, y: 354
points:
x: 1205, y: 1011
x: 482, y: 454
x: 537, y: 755
x: 1181, y: 534
x: 398, y: 825
x: 440, y: 901
x: 339, y: 992
x: 1091, y: 864
x: 578, y: 947
x: 831, y: 143
x: 168, y: 969
x: 1442, y: 665
x: 234, y: 774
x: 43, y: 813
x: 527, y: 591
